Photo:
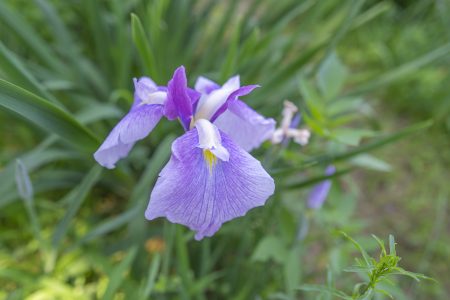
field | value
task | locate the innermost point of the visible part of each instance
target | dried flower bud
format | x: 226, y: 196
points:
x: 288, y: 113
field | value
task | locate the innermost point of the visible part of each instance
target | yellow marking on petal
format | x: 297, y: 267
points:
x: 210, y: 159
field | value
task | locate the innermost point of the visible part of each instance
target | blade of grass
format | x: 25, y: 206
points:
x: 144, y: 48
x: 331, y: 158
x: 118, y: 273
x: 400, y: 72
x: 75, y: 199
x: 229, y: 64
x: 86, y: 72
x: 355, y: 7
x: 110, y: 225
x: 32, y: 161
x: 99, y: 33
x: 14, y: 69
x: 152, y: 273
x: 183, y: 267
x: 317, y: 179
x: 30, y: 38
x: 46, y: 115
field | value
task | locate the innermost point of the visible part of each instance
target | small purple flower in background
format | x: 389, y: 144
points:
x: 288, y: 128
x: 319, y: 192
x: 210, y: 177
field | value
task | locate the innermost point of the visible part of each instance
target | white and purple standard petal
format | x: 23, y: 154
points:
x: 215, y: 99
x: 233, y: 97
x: 320, y: 191
x: 136, y: 125
x: 180, y: 99
x: 201, y: 188
x: 245, y: 126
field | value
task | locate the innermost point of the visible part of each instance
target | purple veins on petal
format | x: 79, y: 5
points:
x: 204, y: 191
x: 320, y: 191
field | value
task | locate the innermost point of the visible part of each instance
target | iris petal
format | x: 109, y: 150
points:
x: 136, y: 125
x: 242, y: 91
x: 189, y: 193
x: 245, y: 126
x: 179, y: 103
x: 205, y: 85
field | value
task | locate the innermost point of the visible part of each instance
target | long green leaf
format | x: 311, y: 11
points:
x: 111, y: 225
x: 117, y: 275
x: 33, y: 160
x: 143, y: 46
x: 317, y: 179
x: 46, y: 115
x: 15, y: 70
x: 355, y: 6
x: 75, y: 198
x: 401, y: 71
x: 30, y: 38
x: 153, y: 271
x: 374, y: 145
x: 330, y: 158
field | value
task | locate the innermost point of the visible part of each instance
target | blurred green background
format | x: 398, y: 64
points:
x: 371, y: 79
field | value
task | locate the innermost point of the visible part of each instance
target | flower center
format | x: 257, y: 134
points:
x: 210, y: 141
x: 210, y: 159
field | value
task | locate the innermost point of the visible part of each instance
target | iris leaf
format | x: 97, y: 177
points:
x: 46, y: 115
x: 75, y: 199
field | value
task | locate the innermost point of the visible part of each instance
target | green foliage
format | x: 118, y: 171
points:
x: 66, y: 70
x: 376, y: 271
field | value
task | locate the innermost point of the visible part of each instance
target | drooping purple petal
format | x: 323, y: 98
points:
x: 205, y: 85
x: 136, y: 125
x: 320, y: 191
x: 245, y: 126
x: 191, y: 193
x: 179, y: 103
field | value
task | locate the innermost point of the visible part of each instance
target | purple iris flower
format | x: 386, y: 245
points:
x: 319, y: 192
x: 210, y: 177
